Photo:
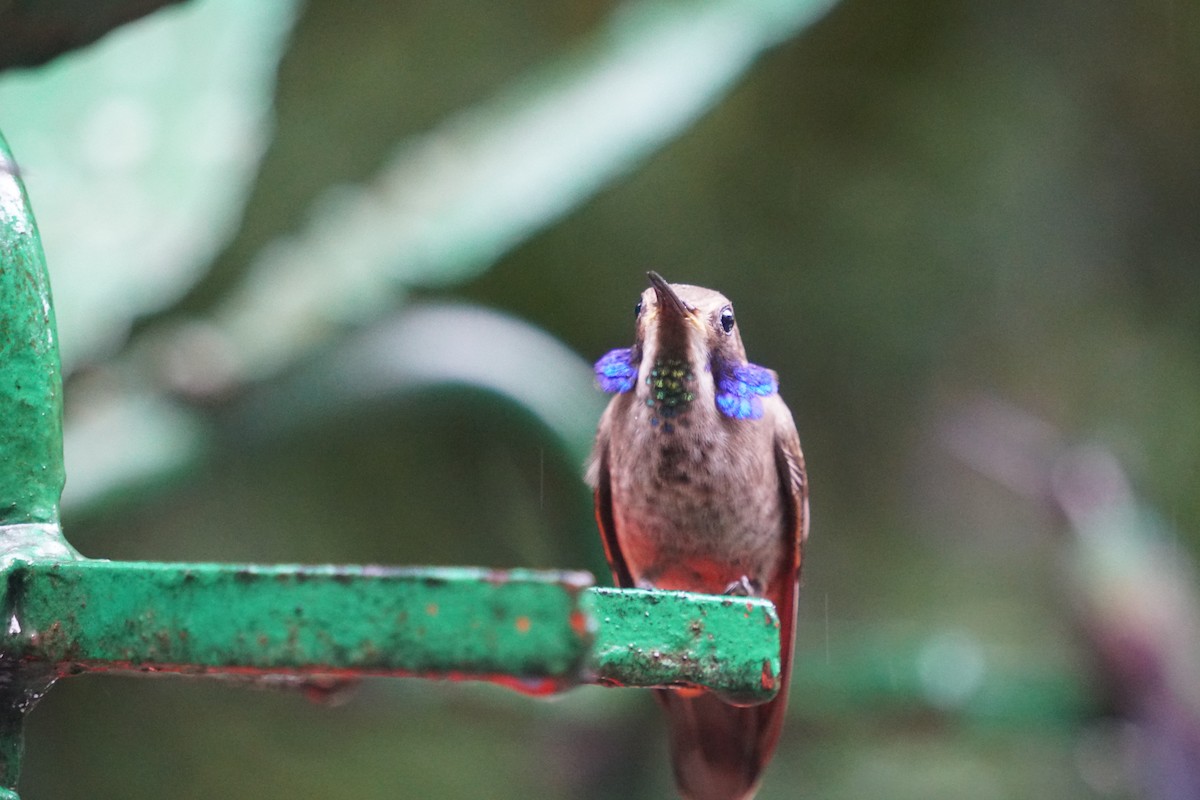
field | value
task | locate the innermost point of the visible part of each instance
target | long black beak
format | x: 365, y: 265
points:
x: 667, y: 299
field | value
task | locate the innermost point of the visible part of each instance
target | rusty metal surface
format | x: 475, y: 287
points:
x: 196, y: 618
x: 535, y: 631
x: 653, y: 638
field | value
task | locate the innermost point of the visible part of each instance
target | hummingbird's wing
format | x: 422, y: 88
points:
x: 598, y: 477
x: 784, y: 590
x: 790, y: 462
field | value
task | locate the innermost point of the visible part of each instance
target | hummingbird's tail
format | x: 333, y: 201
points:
x: 718, y: 750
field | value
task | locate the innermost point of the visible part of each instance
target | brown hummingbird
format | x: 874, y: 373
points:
x: 700, y: 486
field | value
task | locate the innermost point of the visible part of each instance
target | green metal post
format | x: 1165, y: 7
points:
x: 30, y: 387
x: 31, y: 464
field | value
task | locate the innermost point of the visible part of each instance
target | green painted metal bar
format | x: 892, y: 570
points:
x: 651, y: 638
x: 537, y: 632
x: 213, y: 618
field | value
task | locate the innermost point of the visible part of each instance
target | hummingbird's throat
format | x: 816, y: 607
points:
x: 672, y: 388
x: 740, y: 387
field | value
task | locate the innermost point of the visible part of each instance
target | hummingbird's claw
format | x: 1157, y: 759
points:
x: 744, y: 587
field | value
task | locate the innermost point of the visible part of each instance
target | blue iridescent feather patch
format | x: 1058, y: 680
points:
x: 616, y: 371
x: 740, y: 388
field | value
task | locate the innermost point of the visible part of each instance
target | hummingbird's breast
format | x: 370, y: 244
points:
x: 696, y: 496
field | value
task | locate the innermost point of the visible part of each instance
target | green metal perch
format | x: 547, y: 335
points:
x: 537, y: 632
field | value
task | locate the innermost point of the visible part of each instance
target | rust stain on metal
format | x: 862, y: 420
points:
x: 769, y: 678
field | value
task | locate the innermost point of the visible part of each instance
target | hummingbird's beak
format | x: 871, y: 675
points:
x: 669, y: 303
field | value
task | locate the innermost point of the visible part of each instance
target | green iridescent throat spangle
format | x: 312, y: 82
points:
x: 669, y: 382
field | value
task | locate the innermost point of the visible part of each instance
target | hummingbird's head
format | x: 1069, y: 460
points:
x: 687, y: 349
x: 689, y: 324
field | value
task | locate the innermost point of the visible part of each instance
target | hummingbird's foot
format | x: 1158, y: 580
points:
x: 744, y: 587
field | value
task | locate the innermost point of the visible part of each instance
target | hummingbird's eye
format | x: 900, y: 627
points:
x: 727, y: 319
x: 637, y: 309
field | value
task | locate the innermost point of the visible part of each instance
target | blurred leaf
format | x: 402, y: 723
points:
x: 138, y: 154
x: 429, y: 346
x: 119, y: 444
x: 451, y: 202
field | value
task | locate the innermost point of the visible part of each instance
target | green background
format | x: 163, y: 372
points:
x: 932, y: 218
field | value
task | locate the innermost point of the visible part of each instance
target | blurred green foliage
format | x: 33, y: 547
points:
x: 913, y: 205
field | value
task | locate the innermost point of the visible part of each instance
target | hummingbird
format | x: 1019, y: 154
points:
x: 699, y: 485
